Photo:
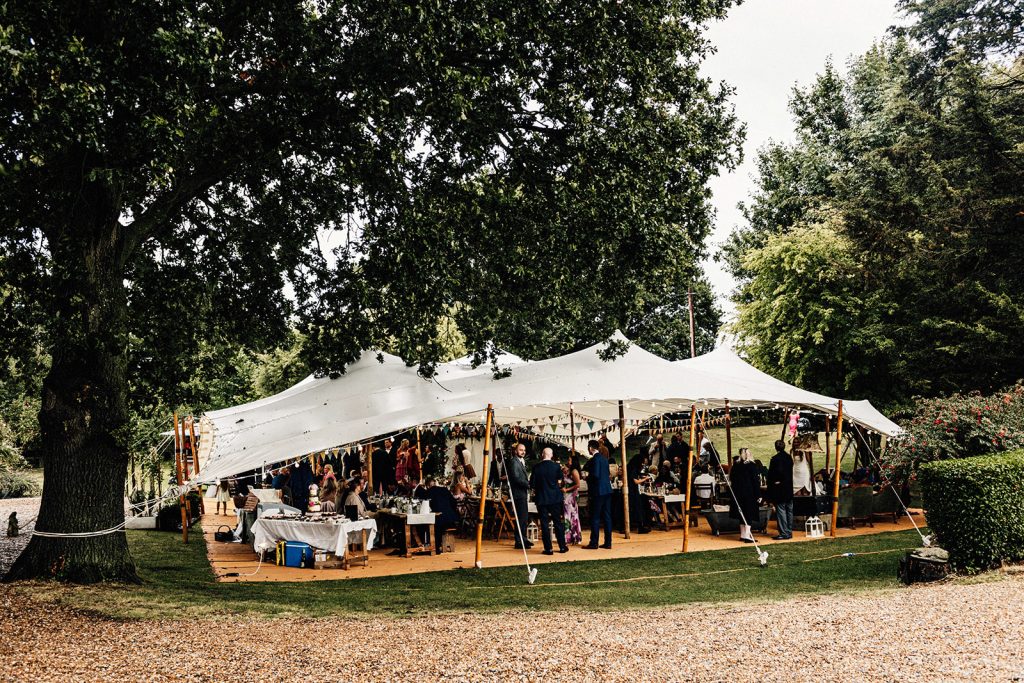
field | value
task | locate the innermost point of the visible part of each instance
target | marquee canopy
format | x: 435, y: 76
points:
x: 379, y: 394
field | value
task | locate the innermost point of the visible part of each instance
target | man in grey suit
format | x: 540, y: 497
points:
x: 519, y: 487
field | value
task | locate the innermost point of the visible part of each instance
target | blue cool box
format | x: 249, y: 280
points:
x: 294, y: 554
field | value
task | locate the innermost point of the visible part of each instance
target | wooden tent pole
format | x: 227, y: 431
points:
x: 728, y: 437
x: 828, y: 444
x: 369, y: 469
x: 623, y: 474
x: 839, y: 460
x: 572, y: 433
x: 195, y: 458
x: 178, y: 474
x: 419, y: 455
x: 483, y: 488
x: 689, y: 480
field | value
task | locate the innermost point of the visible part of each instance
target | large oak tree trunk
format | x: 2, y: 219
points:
x: 83, y: 420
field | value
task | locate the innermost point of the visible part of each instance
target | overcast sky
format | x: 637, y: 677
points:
x: 764, y: 48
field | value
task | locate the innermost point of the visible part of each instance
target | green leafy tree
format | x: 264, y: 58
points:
x: 809, y: 312
x: 535, y: 171
x: 920, y: 172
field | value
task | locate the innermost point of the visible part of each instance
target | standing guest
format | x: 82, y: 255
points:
x: 678, y: 450
x: 430, y: 462
x: 599, y: 489
x: 282, y: 483
x: 746, y: 489
x: 607, y: 448
x: 519, y: 487
x: 780, y: 490
x: 412, y: 462
x: 546, y: 482
x: 383, y: 473
x: 637, y: 476
x: 351, y: 464
x: 462, y: 461
x: 659, y: 451
x: 223, y: 495
x: 570, y: 507
x: 328, y: 475
x: 402, y: 460
x: 301, y: 478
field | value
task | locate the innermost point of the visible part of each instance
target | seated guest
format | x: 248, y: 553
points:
x: 417, y: 489
x: 355, y: 487
x: 701, y: 483
x: 329, y: 496
x: 666, y: 477
x: 460, y: 486
x: 442, y: 501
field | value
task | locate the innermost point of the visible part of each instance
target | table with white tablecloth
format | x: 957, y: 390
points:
x: 332, y: 535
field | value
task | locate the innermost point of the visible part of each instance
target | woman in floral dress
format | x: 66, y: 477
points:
x: 571, y: 510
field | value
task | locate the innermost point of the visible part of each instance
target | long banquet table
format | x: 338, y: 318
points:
x: 333, y: 535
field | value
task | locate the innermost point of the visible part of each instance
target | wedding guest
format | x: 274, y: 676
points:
x: 546, y: 482
x: 746, y: 489
x: 355, y: 488
x: 519, y: 487
x: 780, y: 490
x: 570, y: 507
x: 599, y: 490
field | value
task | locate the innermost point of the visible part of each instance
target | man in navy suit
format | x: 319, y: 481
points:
x: 599, y: 491
x: 546, y: 482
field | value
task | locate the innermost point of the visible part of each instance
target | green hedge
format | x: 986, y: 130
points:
x: 975, y: 507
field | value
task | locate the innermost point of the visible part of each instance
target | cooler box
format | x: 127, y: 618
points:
x: 294, y: 554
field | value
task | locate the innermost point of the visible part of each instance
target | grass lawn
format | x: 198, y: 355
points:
x: 177, y: 581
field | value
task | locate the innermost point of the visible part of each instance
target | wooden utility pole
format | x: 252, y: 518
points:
x: 483, y: 488
x: 623, y: 473
x: 839, y: 461
x: 689, y: 480
x: 693, y: 340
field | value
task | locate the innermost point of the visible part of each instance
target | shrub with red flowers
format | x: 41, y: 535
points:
x: 960, y: 426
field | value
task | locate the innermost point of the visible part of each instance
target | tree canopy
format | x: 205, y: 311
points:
x: 879, y: 256
x: 171, y: 173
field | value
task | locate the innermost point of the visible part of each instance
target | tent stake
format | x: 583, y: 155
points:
x: 623, y: 474
x: 839, y: 460
x: 689, y: 479
x: 483, y: 488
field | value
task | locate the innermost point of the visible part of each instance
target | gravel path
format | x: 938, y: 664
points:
x: 10, y: 548
x: 951, y: 631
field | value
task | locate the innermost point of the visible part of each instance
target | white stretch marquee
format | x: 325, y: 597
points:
x: 379, y: 394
